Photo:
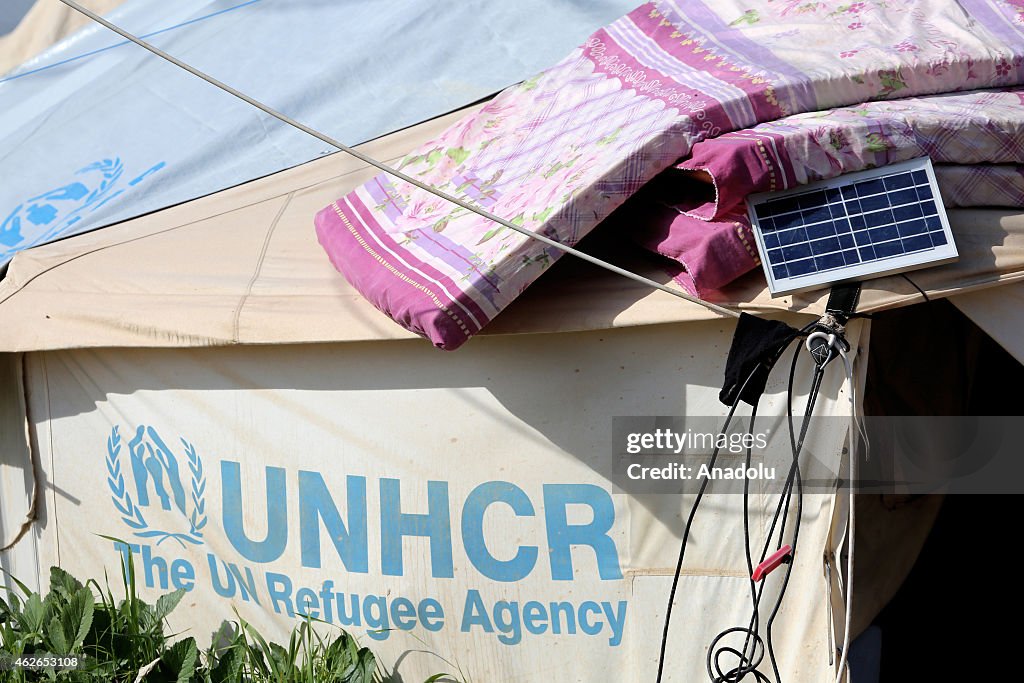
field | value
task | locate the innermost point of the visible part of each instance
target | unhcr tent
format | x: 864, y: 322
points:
x: 282, y: 396
x: 201, y: 383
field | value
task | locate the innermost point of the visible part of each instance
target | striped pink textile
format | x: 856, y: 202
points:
x: 558, y: 153
x: 976, y: 138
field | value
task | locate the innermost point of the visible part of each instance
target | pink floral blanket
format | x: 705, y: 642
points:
x: 695, y: 214
x: 560, y: 152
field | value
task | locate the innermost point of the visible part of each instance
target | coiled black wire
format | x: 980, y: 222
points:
x: 746, y: 660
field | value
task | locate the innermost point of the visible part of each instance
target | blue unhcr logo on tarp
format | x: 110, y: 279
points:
x: 154, y: 470
x: 49, y: 215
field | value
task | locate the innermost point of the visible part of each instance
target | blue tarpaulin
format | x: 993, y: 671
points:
x: 97, y: 130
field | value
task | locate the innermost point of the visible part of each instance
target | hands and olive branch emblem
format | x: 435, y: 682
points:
x: 154, y: 465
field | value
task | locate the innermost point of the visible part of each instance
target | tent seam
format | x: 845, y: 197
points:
x: 237, y: 316
x: 32, y: 513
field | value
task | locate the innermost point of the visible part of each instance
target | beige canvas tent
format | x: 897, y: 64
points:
x: 329, y: 462
x: 219, y: 322
x: 45, y: 24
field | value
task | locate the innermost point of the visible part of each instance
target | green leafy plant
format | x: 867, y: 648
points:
x: 126, y: 641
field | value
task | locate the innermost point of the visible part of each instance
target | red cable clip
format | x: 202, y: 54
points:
x: 772, y: 562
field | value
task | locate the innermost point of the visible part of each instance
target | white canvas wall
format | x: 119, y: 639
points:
x: 533, y: 411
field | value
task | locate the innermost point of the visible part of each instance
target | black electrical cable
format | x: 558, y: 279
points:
x: 689, y: 523
x: 915, y: 286
x: 748, y: 661
x: 754, y: 647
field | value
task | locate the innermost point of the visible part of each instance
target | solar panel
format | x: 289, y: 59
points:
x: 858, y: 225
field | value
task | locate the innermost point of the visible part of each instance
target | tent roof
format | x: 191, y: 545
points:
x: 45, y: 24
x: 243, y: 266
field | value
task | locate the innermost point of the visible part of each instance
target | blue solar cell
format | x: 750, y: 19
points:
x: 868, y: 187
x: 796, y: 251
x: 804, y: 267
x: 792, y: 236
x: 831, y: 228
x: 879, y: 218
x: 817, y: 215
x: 888, y: 249
x: 906, y: 213
x: 825, y: 246
x: 812, y: 200
x: 784, y: 205
x: 829, y: 261
x: 820, y: 230
x: 879, y: 201
x: 898, y: 181
x: 884, y: 234
x: 915, y: 227
x: 788, y: 220
x: 908, y: 196
x: 917, y: 243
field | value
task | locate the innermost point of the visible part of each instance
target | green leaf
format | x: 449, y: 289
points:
x: 434, y: 156
x: 229, y: 667
x: 555, y: 168
x: 413, y: 159
x: 165, y: 604
x: 55, y: 634
x: 543, y: 215
x: 488, y: 235
x: 749, y: 17
x: 63, y: 584
x: 531, y: 83
x: 369, y: 662
x: 436, y: 677
x: 77, y: 617
x: 178, y: 662
x: 458, y: 155
x: 610, y: 138
x: 32, y: 614
x: 22, y: 587
x: 876, y: 143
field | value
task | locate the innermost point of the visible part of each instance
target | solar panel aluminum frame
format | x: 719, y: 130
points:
x: 861, y: 271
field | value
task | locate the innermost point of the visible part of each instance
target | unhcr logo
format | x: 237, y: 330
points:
x: 47, y: 215
x: 160, y: 508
